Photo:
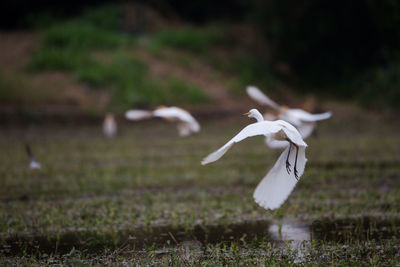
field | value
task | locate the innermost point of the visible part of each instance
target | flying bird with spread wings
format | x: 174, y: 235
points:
x: 304, y: 121
x: 186, y: 123
x: 280, y: 181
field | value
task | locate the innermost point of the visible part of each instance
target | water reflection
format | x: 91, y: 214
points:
x: 286, y: 234
x: 291, y: 234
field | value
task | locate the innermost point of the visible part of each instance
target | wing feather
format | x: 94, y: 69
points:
x: 306, y: 128
x: 258, y: 128
x: 138, y: 114
x: 275, y: 144
x: 277, y: 185
x: 306, y: 116
x: 258, y: 96
x: 179, y: 114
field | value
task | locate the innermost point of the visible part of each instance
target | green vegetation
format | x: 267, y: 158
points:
x: 205, y: 43
x: 116, y: 200
x: 11, y: 88
x: 193, y: 39
x: 344, y: 50
x: 246, y: 70
x: 380, y: 86
x: 369, y: 253
x: 67, y: 45
x: 72, y: 46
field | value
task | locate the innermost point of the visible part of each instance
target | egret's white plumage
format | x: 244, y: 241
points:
x: 302, y: 120
x: 138, y: 114
x: 109, y: 126
x: 261, y: 98
x: 33, y: 164
x: 186, y: 123
x: 279, y: 182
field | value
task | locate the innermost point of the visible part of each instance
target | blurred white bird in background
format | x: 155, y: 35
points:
x: 33, y: 164
x: 186, y: 123
x: 302, y: 120
x: 109, y: 126
x: 280, y: 181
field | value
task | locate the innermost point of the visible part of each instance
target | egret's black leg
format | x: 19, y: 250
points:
x: 295, y: 163
x: 287, y: 159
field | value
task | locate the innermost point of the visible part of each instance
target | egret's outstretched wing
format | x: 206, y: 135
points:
x: 138, y: 114
x: 305, y: 116
x: 258, y: 128
x: 291, y: 132
x: 277, y: 185
x: 260, y: 97
x: 275, y: 144
x: 180, y: 115
x: 306, y: 128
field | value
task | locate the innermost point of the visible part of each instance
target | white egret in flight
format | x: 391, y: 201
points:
x: 186, y: 124
x: 279, y: 182
x: 109, y: 126
x: 33, y: 164
x: 302, y: 120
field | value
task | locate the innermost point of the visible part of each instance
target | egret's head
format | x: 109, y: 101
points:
x: 254, y: 113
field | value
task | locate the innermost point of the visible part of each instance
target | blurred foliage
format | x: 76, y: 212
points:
x: 196, y: 40
x: 11, y: 87
x: 71, y: 46
x: 246, y: 70
x: 331, y: 45
x: 67, y: 44
x: 127, y: 77
x: 319, y: 37
x: 341, y: 48
x: 380, y: 86
x: 206, y: 42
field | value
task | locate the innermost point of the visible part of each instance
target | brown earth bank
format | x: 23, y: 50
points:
x: 58, y: 97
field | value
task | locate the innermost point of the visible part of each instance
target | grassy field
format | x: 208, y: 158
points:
x: 144, y: 197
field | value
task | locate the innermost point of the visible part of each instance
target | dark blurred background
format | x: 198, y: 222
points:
x: 341, y: 49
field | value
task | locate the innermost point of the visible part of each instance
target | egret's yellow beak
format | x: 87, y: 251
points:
x: 246, y: 114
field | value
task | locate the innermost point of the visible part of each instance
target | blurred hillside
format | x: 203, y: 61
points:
x: 88, y: 57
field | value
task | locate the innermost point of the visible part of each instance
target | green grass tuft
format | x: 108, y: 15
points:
x: 196, y: 40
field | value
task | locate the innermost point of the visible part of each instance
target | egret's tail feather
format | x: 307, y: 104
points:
x: 137, y: 114
x: 323, y: 116
x: 277, y: 185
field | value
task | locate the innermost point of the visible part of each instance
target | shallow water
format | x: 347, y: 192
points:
x: 252, y: 232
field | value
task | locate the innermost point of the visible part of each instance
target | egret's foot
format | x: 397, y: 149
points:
x: 296, y: 174
x: 288, y: 167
